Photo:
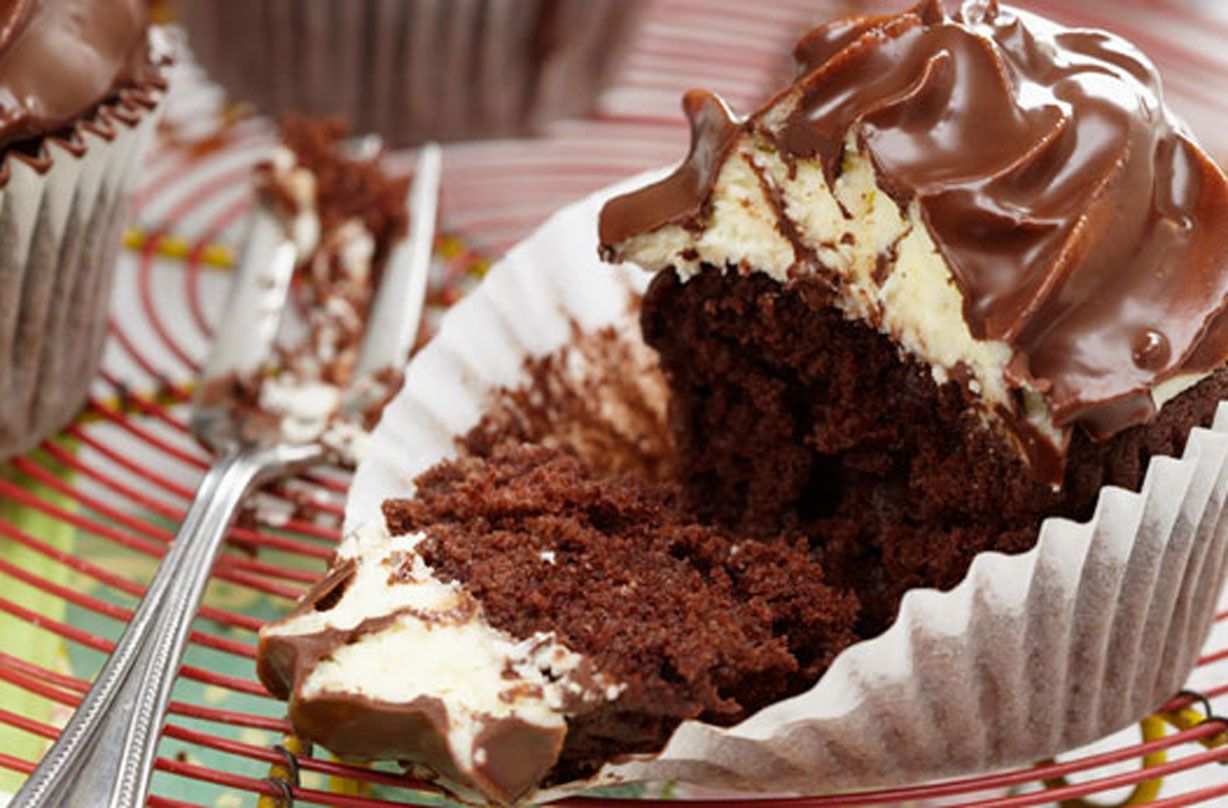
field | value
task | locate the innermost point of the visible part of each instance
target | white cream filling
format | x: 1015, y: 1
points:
x: 300, y: 184
x: 356, y: 250
x: 307, y: 406
x: 1169, y: 389
x: 347, y: 440
x: 457, y: 657
x: 304, y: 406
x: 918, y: 304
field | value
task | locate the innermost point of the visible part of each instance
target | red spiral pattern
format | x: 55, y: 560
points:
x: 122, y: 476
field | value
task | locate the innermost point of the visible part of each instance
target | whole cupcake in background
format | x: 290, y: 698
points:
x: 80, y: 85
x: 414, y: 70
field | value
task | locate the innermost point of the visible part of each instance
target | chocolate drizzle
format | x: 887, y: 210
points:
x: 59, y: 59
x: 517, y: 754
x: 1082, y: 225
x: 680, y: 198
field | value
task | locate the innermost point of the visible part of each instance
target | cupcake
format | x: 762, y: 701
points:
x: 530, y: 595
x: 956, y: 287
x: 80, y: 84
x: 962, y: 274
x: 414, y: 70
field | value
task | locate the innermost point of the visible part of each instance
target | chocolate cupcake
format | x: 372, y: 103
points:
x: 80, y: 85
x: 414, y: 70
x: 963, y: 273
x: 539, y: 590
x: 956, y: 290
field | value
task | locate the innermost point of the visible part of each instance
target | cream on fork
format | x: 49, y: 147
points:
x: 105, y: 755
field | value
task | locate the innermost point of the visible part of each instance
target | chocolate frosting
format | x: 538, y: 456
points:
x: 681, y: 196
x: 1083, y: 226
x: 59, y: 59
x: 516, y: 755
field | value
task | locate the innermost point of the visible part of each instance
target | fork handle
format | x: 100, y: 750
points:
x: 104, y: 756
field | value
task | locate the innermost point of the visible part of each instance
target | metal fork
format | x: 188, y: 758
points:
x: 105, y: 755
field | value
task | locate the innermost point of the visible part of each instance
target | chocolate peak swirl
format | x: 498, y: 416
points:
x: 59, y: 59
x: 1083, y: 227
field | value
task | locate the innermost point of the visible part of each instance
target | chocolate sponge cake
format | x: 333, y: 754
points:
x: 522, y: 620
x: 960, y: 275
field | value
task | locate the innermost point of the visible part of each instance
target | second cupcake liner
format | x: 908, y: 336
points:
x: 414, y: 70
x: 1029, y: 656
x: 62, y: 216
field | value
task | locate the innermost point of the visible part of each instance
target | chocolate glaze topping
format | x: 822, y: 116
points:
x: 1082, y: 224
x: 60, y: 58
x: 683, y: 195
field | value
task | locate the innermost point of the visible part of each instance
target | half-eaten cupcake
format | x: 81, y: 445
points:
x: 963, y: 273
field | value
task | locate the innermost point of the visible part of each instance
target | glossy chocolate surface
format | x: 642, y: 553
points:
x: 1084, y: 227
x: 59, y: 59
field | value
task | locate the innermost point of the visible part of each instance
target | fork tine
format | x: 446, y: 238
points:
x: 244, y: 338
x: 397, y: 310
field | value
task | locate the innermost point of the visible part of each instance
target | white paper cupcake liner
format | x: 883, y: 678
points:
x: 61, y: 228
x: 414, y: 70
x: 1029, y: 656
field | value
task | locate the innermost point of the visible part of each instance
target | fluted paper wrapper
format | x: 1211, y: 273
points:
x: 62, y: 217
x: 414, y: 70
x: 1029, y: 656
